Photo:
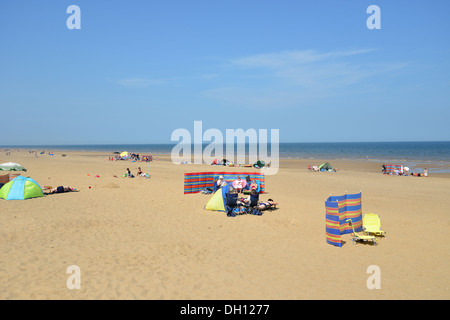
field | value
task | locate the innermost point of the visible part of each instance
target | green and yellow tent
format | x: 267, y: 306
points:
x: 325, y: 166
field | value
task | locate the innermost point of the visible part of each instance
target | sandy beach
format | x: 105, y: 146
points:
x: 144, y: 239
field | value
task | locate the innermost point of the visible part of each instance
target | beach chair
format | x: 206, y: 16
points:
x: 372, y: 224
x: 248, y: 207
x: 359, y: 237
x: 231, y: 204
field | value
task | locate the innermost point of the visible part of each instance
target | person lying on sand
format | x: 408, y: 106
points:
x: 60, y: 189
x: 264, y: 205
x: 243, y: 205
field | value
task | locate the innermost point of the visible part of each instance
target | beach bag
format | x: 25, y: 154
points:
x: 230, y: 213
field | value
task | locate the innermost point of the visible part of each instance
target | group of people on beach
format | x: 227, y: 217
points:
x: 139, y: 173
x: 238, y: 186
x: 404, y: 171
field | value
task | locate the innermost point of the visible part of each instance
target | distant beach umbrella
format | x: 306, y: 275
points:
x: 11, y: 166
x: 123, y: 154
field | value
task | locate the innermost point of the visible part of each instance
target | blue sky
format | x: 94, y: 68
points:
x: 138, y: 70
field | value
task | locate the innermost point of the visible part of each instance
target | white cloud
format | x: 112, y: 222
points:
x: 291, y: 58
x: 299, y: 77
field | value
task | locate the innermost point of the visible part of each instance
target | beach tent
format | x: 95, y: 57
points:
x: 259, y: 164
x: 325, y: 166
x: 11, y: 166
x: 21, y: 188
x: 218, y: 200
x: 338, y: 210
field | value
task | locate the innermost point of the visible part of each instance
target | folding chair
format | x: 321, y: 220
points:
x: 372, y: 224
x: 359, y: 237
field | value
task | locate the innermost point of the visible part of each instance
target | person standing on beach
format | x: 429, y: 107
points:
x: 425, y: 172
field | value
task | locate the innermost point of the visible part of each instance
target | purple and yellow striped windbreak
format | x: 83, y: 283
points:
x: 338, y: 210
x: 197, y: 181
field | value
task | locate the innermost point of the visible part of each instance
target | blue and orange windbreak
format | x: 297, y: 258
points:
x: 338, y: 210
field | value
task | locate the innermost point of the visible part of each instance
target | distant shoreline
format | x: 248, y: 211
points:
x: 436, y: 168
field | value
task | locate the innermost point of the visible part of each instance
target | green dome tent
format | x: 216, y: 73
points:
x: 21, y: 188
x: 325, y: 166
x: 259, y: 164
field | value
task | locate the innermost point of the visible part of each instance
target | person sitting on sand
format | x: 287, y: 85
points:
x: 220, y: 182
x: 238, y: 184
x: 139, y: 172
x: 60, y: 189
x: 129, y: 174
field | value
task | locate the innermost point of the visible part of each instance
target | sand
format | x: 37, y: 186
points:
x: 144, y: 239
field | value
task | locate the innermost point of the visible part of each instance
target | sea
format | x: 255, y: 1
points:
x: 435, y: 154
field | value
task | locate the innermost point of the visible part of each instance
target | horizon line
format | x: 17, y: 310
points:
x: 175, y: 143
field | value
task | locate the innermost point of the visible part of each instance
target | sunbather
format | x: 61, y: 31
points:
x: 269, y: 204
x: 254, y: 185
x: 60, y: 189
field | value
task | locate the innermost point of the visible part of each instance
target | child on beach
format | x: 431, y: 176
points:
x: 129, y: 174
